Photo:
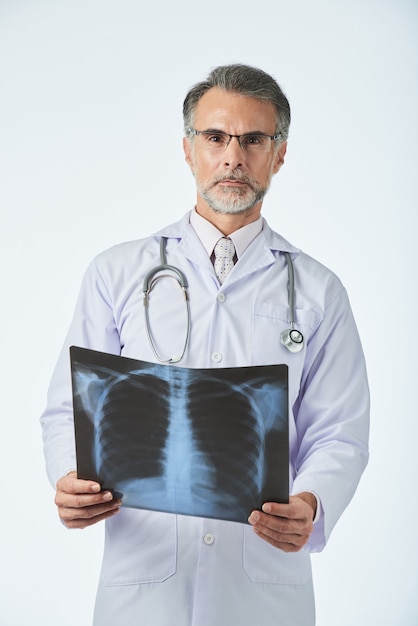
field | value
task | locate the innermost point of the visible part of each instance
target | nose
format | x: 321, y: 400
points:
x: 233, y: 155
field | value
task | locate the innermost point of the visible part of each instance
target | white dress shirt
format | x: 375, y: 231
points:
x: 161, y: 569
x: 209, y: 235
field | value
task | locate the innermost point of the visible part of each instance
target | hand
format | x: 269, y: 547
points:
x: 286, y: 526
x: 81, y: 503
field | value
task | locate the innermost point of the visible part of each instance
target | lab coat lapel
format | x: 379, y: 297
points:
x: 259, y: 254
x: 192, y: 248
x: 189, y: 244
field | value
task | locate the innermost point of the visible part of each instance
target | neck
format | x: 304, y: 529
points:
x: 228, y: 223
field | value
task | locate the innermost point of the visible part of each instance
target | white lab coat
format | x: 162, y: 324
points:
x: 161, y: 569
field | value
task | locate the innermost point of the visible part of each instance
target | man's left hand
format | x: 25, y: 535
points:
x: 286, y: 526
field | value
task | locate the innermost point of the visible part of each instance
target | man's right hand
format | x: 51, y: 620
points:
x: 81, y: 503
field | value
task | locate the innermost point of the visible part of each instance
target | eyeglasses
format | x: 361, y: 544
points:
x: 250, y: 142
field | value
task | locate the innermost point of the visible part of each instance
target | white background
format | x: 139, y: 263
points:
x: 90, y: 139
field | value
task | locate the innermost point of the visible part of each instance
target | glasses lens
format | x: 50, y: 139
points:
x: 255, y: 143
x: 214, y: 141
x: 251, y: 143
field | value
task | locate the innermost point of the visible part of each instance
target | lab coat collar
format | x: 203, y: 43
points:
x: 259, y: 254
x: 275, y: 242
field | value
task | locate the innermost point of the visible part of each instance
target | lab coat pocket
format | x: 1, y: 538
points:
x: 265, y: 564
x: 270, y: 320
x: 140, y: 547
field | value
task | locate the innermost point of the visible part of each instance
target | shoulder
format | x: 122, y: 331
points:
x: 137, y: 252
x: 312, y: 277
x: 310, y: 267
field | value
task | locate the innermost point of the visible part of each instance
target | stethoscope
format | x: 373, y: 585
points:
x: 291, y: 338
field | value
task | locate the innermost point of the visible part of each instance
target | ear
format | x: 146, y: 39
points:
x: 279, y: 160
x: 187, y: 147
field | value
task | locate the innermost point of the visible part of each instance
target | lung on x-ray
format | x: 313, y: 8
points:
x: 203, y: 442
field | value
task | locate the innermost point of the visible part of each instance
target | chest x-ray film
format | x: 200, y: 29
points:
x: 204, y: 442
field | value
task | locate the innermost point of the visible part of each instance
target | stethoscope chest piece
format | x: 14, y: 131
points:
x: 292, y: 339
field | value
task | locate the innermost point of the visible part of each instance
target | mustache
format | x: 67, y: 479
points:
x: 236, y: 175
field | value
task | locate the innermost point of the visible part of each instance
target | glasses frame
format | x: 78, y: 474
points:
x: 196, y: 133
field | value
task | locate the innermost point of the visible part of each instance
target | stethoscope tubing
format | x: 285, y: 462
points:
x: 151, y: 278
x: 291, y: 338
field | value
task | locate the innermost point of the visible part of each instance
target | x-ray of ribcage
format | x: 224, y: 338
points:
x: 204, y: 442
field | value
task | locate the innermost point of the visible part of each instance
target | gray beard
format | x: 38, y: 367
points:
x: 233, y: 201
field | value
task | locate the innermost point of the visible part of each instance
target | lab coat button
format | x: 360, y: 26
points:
x: 208, y: 539
x: 216, y: 357
x: 221, y: 297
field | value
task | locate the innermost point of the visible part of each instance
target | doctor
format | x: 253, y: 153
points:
x: 160, y: 569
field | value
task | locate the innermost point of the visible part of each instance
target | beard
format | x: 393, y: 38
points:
x: 230, y: 200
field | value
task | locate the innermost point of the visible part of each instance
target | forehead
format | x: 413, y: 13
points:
x: 234, y: 113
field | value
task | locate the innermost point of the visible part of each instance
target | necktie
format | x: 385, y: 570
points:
x: 224, y: 258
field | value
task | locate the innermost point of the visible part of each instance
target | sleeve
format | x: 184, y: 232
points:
x: 93, y: 326
x: 332, y: 418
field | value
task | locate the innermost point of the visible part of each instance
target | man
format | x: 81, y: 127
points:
x: 158, y: 568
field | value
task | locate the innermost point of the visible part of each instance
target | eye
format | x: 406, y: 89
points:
x: 256, y: 141
x: 215, y: 138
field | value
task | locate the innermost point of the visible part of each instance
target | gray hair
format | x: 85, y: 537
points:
x: 244, y: 80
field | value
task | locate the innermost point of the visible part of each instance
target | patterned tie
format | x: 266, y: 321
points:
x: 224, y: 258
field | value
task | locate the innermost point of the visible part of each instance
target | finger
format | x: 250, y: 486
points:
x: 88, y: 512
x: 84, y: 522
x: 81, y: 500
x: 277, y: 526
x: 280, y: 529
x: 283, y: 532
x: 71, y: 484
x: 81, y: 517
x: 282, y: 524
x: 296, y: 509
x: 288, y: 543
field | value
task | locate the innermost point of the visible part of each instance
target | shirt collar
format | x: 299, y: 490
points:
x: 209, y: 234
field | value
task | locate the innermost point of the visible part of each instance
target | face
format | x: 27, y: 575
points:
x: 232, y: 181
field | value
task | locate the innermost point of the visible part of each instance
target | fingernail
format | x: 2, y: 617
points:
x: 107, y: 496
x: 254, y: 517
x: 266, y: 508
x: 95, y: 487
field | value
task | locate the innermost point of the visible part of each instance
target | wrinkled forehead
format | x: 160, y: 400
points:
x: 235, y: 113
